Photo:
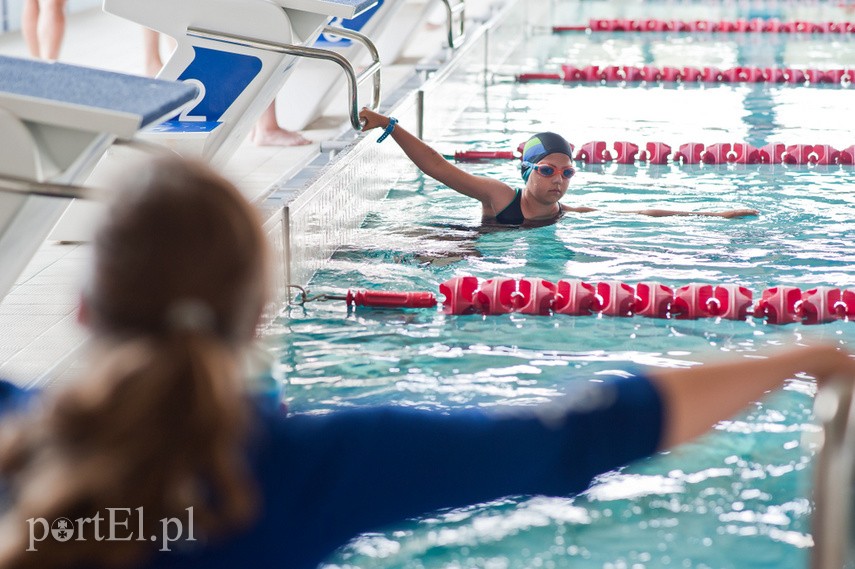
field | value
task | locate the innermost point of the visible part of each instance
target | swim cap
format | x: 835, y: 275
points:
x: 540, y: 146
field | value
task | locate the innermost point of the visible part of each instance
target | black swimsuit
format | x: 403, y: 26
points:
x: 513, y: 214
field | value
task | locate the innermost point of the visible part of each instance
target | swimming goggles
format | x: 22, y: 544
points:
x: 549, y: 171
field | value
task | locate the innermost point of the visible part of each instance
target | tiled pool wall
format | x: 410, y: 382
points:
x: 274, y: 228
x: 325, y: 215
x: 313, y: 214
x: 308, y: 222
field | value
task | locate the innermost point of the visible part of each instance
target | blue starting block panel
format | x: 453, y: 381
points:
x: 90, y: 100
x: 336, y: 8
x: 328, y: 40
x: 206, y: 127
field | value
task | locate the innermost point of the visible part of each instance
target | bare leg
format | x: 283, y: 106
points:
x: 51, y: 28
x: 29, y: 26
x: 151, y: 52
x: 267, y: 131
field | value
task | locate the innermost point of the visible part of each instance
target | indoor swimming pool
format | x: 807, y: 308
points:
x: 738, y: 497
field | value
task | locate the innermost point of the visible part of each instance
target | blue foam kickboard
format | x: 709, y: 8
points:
x: 151, y: 99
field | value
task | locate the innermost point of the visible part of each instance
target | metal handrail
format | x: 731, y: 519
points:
x: 450, y: 11
x: 15, y: 185
x: 353, y: 80
x: 832, y: 521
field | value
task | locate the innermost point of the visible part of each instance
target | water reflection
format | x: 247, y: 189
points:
x: 739, y: 497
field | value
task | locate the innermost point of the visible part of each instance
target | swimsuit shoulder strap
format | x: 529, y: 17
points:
x: 512, y: 213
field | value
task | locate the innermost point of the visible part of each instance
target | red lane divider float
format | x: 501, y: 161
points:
x: 624, y: 152
x: 777, y: 305
x: 478, y: 155
x: 503, y: 295
x: 384, y: 299
x: 475, y: 155
x: 756, y: 25
x: 651, y: 74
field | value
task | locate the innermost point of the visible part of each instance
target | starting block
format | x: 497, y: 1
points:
x: 56, y: 122
x: 389, y: 23
x: 238, y: 53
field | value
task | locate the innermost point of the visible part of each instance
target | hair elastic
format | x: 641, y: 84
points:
x: 389, y: 128
x: 191, y: 315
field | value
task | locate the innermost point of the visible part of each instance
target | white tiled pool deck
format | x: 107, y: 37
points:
x: 40, y: 340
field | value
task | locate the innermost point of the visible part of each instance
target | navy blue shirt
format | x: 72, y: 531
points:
x: 326, y: 478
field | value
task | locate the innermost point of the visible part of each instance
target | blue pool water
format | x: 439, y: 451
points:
x: 739, y: 497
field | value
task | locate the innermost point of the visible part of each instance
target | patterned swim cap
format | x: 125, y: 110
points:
x: 540, y: 146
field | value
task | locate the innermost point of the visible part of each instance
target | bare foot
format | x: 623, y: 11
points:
x: 278, y: 137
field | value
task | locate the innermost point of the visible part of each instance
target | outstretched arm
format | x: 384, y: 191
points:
x: 697, y: 398
x: 493, y: 194
x: 583, y: 209
x: 727, y: 214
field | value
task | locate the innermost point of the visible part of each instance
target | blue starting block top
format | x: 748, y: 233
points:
x: 337, y: 8
x: 87, y: 99
x: 329, y: 39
